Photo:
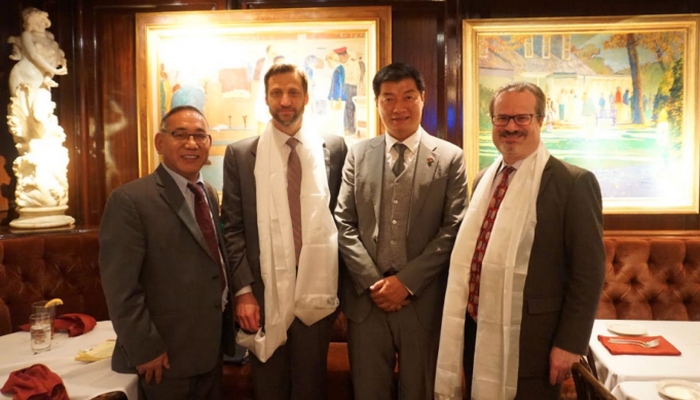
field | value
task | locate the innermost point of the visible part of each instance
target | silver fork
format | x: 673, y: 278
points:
x: 643, y: 343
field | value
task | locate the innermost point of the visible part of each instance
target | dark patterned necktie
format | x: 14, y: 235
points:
x: 399, y: 164
x: 294, y: 194
x: 206, y: 225
x: 484, y: 235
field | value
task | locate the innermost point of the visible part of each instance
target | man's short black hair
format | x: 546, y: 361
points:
x: 396, y: 72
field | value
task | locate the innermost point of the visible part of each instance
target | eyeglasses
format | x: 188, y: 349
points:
x: 184, y: 136
x: 520, y: 119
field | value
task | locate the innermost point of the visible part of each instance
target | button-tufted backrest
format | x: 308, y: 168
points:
x: 44, y: 267
x: 651, y: 278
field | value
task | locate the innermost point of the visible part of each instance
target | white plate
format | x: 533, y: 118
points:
x: 627, y: 330
x: 677, y: 389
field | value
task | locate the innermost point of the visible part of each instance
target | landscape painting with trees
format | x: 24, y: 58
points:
x: 621, y: 100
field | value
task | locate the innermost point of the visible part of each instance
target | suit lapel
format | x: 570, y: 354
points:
x: 427, y: 161
x: 546, y: 175
x: 173, y: 196
x: 327, y: 159
x: 374, y: 172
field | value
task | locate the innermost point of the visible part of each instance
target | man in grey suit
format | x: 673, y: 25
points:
x: 162, y: 270
x: 282, y: 241
x: 528, y: 266
x: 400, y: 205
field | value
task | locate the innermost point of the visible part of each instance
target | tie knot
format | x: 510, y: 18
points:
x: 508, y: 170
x: 292, y: 142
x: 195, y: 188
x: 400, y: 148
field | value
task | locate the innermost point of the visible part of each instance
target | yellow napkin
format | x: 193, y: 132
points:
x: 97, y: 353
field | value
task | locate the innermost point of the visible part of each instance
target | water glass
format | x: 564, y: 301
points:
x: 40, y: 331
x: 39, y: 307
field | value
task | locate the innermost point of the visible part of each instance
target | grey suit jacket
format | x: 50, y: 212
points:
x: 161, y: 282
x: 438, y: 204
x: 566, y: 269
x: 239, y: 209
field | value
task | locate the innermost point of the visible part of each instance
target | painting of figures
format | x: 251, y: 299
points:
x: 621, y: 100
x: 216, y: 61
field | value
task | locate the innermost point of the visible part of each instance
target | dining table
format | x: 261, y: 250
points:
x: 636, y: 376
x: 647, y: 390
x: 83, y: 380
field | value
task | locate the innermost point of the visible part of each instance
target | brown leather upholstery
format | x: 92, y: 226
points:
x: 40, y: 267
x: 651, y: 279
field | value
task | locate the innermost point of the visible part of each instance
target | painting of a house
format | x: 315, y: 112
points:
x: 621, y: 101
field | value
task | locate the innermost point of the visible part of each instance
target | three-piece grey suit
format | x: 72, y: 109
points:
x: 304, y: 356
x: 564, y: 277
x: 437, y: 198
x: 161, y: 281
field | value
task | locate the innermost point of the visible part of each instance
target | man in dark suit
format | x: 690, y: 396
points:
x: 528, y: 266
x: 399, y: 208
x: 279, y: 190
x: 162, y: 270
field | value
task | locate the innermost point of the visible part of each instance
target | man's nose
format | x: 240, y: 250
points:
x: 286, y: 99
x: 511, y: 126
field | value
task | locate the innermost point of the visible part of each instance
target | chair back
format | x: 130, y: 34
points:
x: 587, y: 386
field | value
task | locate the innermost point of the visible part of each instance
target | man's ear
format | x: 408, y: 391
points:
x: 159, y: 142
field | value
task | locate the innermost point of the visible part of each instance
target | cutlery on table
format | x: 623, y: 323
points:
x: 643, y: 343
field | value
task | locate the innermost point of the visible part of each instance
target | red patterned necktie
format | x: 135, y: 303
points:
x: 294, y: 194
x: 206, y: 225
x: 484, y: 235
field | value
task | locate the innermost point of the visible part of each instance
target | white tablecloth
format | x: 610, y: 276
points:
x: 632, y: 390
x: 82, y: 380
x: 615, y: 369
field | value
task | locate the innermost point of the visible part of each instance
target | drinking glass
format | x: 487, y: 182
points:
x: 40, y: 331
x: 39, y: 307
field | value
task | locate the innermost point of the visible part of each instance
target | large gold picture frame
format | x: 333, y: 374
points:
x: 216, y: 60
x: 622, y: 100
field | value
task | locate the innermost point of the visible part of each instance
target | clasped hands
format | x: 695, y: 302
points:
x: 389, y: 294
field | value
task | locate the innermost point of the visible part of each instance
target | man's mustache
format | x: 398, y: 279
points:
x: 516, y: 134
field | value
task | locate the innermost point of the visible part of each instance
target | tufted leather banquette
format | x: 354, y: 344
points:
x: 651, y: 278
x: 647, y: 277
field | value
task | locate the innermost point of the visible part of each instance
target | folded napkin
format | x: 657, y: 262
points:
x: 97, y: 353
x: 76, y: 324
x: 663, y: 349
x: 35, y: 382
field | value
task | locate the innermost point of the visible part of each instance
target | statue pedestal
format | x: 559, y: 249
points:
x: 42, y: 217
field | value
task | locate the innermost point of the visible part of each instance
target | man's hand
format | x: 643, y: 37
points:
x: 389, y: 294
x: 248, y: 312
x: 560, y: 364
x: 154, y: 368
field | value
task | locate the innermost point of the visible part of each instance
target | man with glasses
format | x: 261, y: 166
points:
x: 402, y: 199
x: 527, y: 268
x: 279, y: 192
x: 163, y: 272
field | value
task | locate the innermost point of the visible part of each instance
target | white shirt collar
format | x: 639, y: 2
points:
x: 180, y: 180
x: 411, y: 142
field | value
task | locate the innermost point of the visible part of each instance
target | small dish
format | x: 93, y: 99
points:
x: 677, y: 389
x: 627, y: 330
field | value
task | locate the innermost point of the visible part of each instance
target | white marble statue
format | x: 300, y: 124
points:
x: 41, y: 167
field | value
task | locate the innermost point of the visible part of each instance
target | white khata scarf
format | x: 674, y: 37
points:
x: 310, y: 293
x: 503, y: 274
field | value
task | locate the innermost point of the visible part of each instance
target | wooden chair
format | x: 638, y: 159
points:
x: 587, y: 386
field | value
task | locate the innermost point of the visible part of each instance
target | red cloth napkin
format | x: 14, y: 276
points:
x: 37, y: 382
x: 76, y: 324
x: 663, y: 349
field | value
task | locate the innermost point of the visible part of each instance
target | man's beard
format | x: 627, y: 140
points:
x: 291, y: 121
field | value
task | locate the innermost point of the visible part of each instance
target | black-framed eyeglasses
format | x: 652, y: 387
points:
x: 520, y: 119
x: 181, y: 135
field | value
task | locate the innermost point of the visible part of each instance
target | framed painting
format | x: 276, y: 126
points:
x: 216, y: 61
x: 622, y: 100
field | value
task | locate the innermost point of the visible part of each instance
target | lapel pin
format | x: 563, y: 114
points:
x: 430, y: 161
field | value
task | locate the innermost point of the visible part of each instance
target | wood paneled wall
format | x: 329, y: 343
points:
x: 96, y: 101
